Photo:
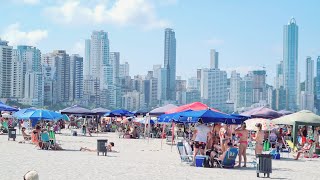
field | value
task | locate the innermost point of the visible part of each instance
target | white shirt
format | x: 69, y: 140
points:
x: 202, y: 132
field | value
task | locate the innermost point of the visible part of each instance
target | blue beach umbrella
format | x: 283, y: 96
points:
x: 119, y: 112
x: 40, y: 115
x: 209, y: 116
x: 22, y: 111
x: 4, y: 107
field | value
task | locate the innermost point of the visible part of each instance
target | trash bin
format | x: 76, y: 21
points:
x: 12, y: 134
x: 264, y: 164
x: 102, y: 146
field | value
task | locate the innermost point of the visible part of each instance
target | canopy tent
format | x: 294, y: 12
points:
x: 209, y: 116
x: 267, y: 124
x: 4, y: 107
x: 100, y: 111
x: 143, y: 121
x: 303, y: 117
x: 6, y: 115
x: 285, y: 112
x: 77, y: 110
x: 142, y: 111
x: 262, y: 112
x: 119, y: 112
x: 22, y: 111
x: 162, y: 110
x: 195, y: 106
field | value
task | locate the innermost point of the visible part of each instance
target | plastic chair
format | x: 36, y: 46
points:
x: 45, y: 139
x: 229, y: 160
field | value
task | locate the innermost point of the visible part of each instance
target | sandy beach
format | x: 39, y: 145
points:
x: 136, y: 159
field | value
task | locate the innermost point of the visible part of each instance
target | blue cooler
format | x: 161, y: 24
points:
x: 199, y: 160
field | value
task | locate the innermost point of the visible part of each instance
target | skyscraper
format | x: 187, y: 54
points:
x: 170, y: 63
x: 279, y: 76
x: 5, y: 69
x: 124, y: 69
x: 235, y: 89
x: 307, y: 97
x: 214, y: 59
x: 259, y: 85
x: 97, y: 68
x: 214, y: 88
x: 290, y: 63
x: 318, y: 84
x: 76, y: 77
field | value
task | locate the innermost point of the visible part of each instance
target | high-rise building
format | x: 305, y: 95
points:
x: 279, y: 76
x: 124, y: 69
x: 50, y: 92
x: 290, y: 63
x: 214, y: 88
x: 162, y: 84
x: 259, y: 85
x: 181, y: 89
x: 97, y: 67
x: 193, y: 83
x: 5, y: 69
x: 170, y: 63
x: 307, y: 97
x: 76, y: 78
x: 318, y: 84
x: 235, y: 89
x: 25, y: 59
x: 214, y: 59
x: 62, y: 75
x: 34, y: 89
x: 18, y: 75
x: 115, y: 93
x: 246, y: 91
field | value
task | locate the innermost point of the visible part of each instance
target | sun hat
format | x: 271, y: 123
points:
x: 31, y: 175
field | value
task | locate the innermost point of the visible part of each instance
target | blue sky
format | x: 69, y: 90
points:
x: 248, y: 34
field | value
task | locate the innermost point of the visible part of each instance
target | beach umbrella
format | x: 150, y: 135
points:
x: 65, y: 117
x: 195, y: 106
x: 6, y: 115
x: 100, y: 110
x: 209, y: 116
x: 119, y: 112
x: 22, y: 111
x: 162, y: 110
x: 77, y: 110
x: 4, y: 107
x: 175, y: 117
x: 143, y: 121
x: 40, y: 115
x: 285, y: 112
x: 262, y: 112
x: 267, y: 124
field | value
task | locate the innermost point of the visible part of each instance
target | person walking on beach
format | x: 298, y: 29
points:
x: 243, y: 143
x: 201, y: 133
x: 259, y: 139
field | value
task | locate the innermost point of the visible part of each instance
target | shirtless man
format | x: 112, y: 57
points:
x: 259, y: 139
x: 243, y: 143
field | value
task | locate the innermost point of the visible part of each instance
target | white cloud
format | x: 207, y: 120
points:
x: 121, y: 12
x: 15, y: 36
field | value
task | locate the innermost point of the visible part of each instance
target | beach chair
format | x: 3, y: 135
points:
x: 291, y: 145
x: 310, y: 153
x: 183, y: 153
x: 45, y: 139
x: 229, y: 160
x: 287, y: 148
x: 53, y: 140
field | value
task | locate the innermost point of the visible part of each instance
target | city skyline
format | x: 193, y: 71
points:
x: 134, y: 39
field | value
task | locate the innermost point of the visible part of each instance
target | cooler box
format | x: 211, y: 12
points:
x: 199, y: 160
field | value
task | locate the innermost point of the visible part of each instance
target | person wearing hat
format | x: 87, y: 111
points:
x: 31, y: 175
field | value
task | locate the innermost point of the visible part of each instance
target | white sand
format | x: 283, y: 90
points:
x: 137, y: 159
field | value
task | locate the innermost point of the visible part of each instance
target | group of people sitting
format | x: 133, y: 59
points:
x: 41, y: 138
x: 216, y: 140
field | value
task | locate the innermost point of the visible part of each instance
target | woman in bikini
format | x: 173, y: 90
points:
x: 243, y: 143
x: 259, y: 139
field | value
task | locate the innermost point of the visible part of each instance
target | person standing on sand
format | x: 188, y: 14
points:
x: 243, y: 143
x: 259, y: 139
x: 201, y: 132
